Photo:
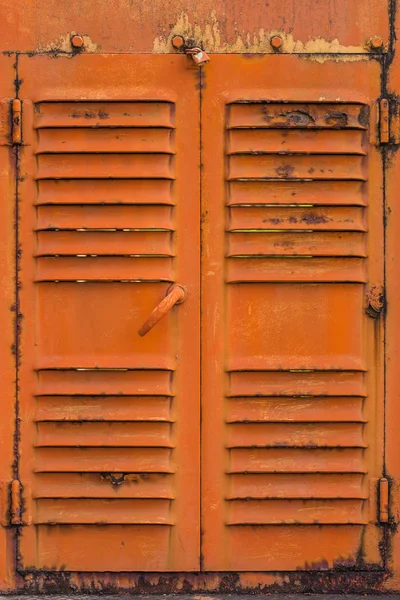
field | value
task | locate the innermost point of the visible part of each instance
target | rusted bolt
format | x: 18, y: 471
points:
x: 276, y: 42
x: 77, y: 41
x: 178, y: 41
x: 376, y: 42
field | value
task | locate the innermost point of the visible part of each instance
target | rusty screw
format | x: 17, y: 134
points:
x: 376, y: 43
x: 77, y: 41
x: 276, y: 42
x: 178, y: 42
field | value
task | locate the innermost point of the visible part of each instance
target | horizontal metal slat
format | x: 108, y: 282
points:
x: 105, y: 434
x: 292, y: 485
x: 298, y: 410
x: 296, y: 115
x: 321, y: 218
x: 296, y: 435
x: 299, y: 460
x: 297, y: 512
x: 103, y: 460
x: 104, y: 114
x: 102, y: 140
x: 299, y: 269
x: 297, y: 383
x: 103, y: 511
x: 336, y: 193
x: 103, y: 485
x: 105, y: 166
x: 103, y: 243
x: 296, y: 244
x: 104, y: 191
x: 103, y: 382
x: 250, y: 141
x: 103, y: 269
x: 316, y: 167
x: 99, y: 408
x: 69, y: 217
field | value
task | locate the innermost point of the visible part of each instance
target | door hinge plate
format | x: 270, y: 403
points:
x: 384, y: 133
x: 15, y: 502
x: 383, y: 500
x: 16, y: 132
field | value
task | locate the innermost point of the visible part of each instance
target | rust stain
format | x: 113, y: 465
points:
x: 209, y: 37
x: 62, y: 44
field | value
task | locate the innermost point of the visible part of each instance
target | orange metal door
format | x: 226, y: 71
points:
x: 292, y: 243
x: 108, y: 195
x: 292, y: 385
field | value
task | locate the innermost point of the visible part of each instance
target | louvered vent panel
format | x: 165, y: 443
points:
x: 105, y: 236
x: 296, y: 258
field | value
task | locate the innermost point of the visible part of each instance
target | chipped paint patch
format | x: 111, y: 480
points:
x: 63, y: 44
x: 211, y: 40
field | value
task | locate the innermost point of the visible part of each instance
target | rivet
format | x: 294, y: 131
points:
x: 276, y: 42
x: 376, y: 42
x: 77, y: 41
x: 178, y: 41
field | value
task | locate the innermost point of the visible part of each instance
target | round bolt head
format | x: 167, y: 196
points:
x: 376, y: 42
x: 77, y: 41
x: 276, y: 42
x: 178, y: 41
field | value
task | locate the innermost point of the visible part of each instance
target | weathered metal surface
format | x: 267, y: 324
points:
x: 291, y: 318
x: 9, y: 318
x: 95, y: 259
x: 311, y: 26
x: 293, y: 383
x: 391, y: 163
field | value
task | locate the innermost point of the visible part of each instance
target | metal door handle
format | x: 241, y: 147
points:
x: 175, y: 295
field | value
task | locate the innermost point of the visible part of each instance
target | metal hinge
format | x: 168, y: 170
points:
x: 16, y: 131
x: 15, y: 502
x: 384, y: 133
x: 383, y: 500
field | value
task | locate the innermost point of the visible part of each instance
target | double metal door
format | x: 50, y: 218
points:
x: 244, y: 430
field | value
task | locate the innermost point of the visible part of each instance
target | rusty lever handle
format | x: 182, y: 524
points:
x: 175, y: 295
